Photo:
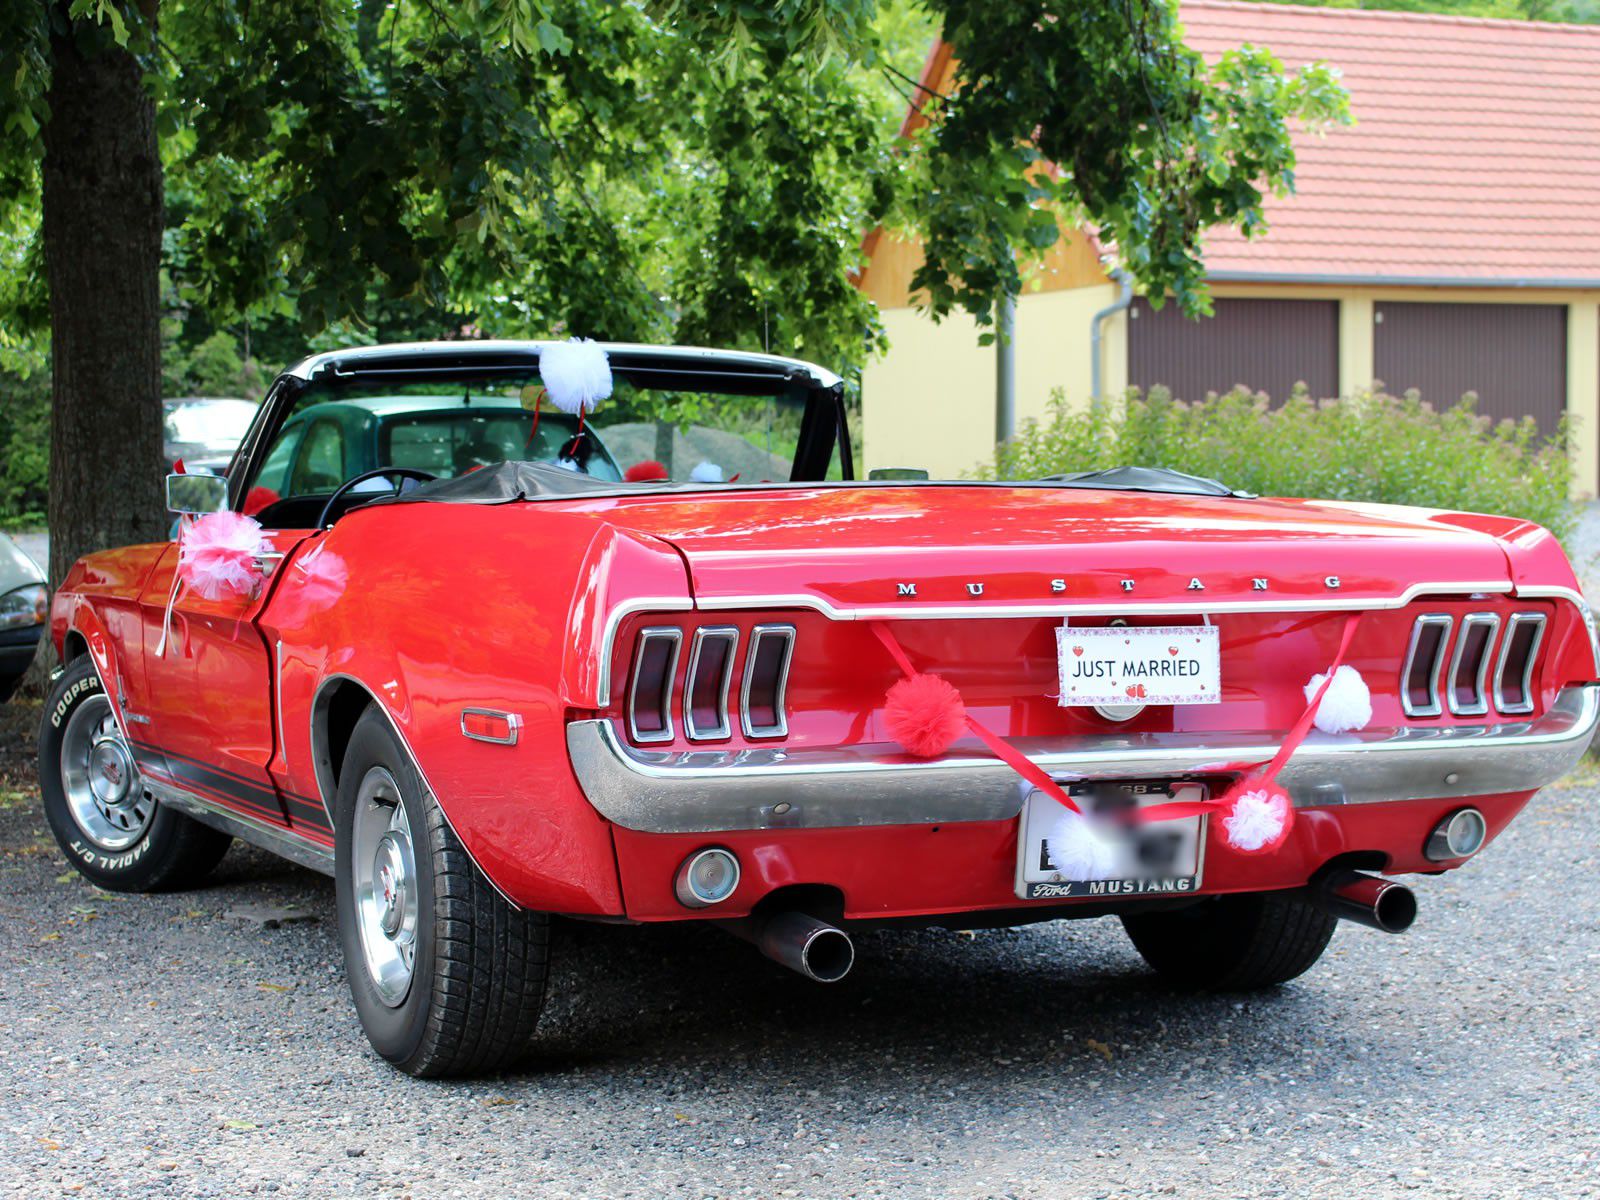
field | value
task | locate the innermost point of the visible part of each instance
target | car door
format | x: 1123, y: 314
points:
x: 209, y: 679
x: 210, y: 673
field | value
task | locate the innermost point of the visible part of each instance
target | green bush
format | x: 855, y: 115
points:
x: 1371, y: 447
x: 24, y: 448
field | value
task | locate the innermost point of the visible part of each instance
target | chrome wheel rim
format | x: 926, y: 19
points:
x: 384, y: 868
x: 105, y: 794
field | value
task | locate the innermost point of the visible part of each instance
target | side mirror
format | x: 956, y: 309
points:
x: 897, y: 473
x: 196, y: 494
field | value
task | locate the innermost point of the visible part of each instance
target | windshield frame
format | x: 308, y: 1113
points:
x: 822, y: 429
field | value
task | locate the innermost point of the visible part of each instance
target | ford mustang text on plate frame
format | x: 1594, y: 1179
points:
x: 492, y: 632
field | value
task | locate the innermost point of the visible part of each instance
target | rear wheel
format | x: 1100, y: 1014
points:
x: 447, y: 976
x: 1233, y: 943
x: 109, y: 825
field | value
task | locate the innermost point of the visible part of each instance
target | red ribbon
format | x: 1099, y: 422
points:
x: 1297, y: 734
x: 1004, y: 751
x: 1029, y: 770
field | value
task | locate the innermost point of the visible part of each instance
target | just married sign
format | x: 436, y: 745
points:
x: 1123, y: 664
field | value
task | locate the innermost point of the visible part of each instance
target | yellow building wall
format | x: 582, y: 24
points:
x: 930, y: 401
x: 945, y: 363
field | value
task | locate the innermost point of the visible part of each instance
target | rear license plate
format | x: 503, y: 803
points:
x: 1136, y: 859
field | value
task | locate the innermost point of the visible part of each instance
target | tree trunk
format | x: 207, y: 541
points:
x: 102, y: 249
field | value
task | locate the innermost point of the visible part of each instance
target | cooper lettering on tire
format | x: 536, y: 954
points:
x: 108, y: 823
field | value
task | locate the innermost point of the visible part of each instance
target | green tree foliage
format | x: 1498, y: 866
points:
x: 24, y: 436
x: 663, y: 170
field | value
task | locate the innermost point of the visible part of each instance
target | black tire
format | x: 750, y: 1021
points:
x: 1233, y: 943
x: 172, y: 851
x: 477, y: 979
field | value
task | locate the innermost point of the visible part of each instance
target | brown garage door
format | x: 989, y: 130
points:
x: 1513, y: 355
x: 1266, y: 345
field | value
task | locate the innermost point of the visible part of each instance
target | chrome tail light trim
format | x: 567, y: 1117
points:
x: 1424, y: 631
x: 1534, y: 623
x: 1472, y: 700
x: 671, y: 637
x: 766, y: 641
x: 725, y: 637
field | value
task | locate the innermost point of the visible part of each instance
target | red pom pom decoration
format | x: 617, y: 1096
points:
x: 1256, y: 816
x: 647, y: 471
x: 924, y: 714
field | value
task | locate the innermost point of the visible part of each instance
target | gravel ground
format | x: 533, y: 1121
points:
x: 153, y: 1046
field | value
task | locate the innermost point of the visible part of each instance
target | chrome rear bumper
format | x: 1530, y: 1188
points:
x: 703, y: 791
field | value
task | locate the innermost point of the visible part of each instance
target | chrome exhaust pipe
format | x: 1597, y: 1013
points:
x: 1365, y: 899
x: 800, y: 942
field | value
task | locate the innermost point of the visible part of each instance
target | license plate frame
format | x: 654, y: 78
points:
x: 1036, y: 880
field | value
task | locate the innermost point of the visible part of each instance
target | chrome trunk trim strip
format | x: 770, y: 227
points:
x: 704, y: 791
x: 1087, y: 608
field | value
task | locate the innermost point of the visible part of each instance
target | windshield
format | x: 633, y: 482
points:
x: 344, y: 427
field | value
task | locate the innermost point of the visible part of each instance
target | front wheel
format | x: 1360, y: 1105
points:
x: 1232, y: 943
x: 114, y: 831
x: 447, y: 976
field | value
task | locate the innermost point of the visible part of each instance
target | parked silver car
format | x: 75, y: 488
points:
x: 24, y: 612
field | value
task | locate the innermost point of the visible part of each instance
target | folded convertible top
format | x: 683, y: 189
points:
x: 507, y: 481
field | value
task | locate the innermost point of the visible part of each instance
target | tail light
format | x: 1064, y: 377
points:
x: 1513, y: 674
x: 705, y: 696
x: 1427, y: 686
x: 1469, y: 665
x: 707, y: 682
x: 655, y: 667
x: 766, y: 677
x: 1419, y: 680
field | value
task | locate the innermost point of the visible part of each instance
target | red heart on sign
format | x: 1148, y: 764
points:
x: 1142, y: 692
x: 1172, y: 649
x: 1078, y: 650
x: 1132, y: 691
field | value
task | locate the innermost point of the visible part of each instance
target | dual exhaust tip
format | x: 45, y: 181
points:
x: 1368, y: 900
x: 821, y: 952
x: 824, y: 953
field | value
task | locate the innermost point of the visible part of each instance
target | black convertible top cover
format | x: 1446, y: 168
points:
x: 506, y: 481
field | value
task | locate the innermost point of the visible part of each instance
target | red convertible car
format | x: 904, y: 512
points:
x: 506, y: 687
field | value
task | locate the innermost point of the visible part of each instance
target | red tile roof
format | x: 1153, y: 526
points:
x: 1475, y: 156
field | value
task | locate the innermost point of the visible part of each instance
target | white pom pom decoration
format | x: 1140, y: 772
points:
x: 706, y: 472
x: 1077, y: 851
x: 1346, y: 705
x: 1257, y: 820
x: 576, y: 375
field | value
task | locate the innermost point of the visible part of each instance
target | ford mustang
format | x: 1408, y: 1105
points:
x: 486, y: 670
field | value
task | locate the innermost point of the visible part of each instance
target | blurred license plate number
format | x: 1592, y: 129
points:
x: 1161, y: 858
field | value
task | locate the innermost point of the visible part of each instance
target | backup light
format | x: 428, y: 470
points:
x: 1460, y: 835
x: 707, y: 877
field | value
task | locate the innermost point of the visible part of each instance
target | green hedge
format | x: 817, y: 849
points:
x: 1371, y: 447
x: 24, y: 448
